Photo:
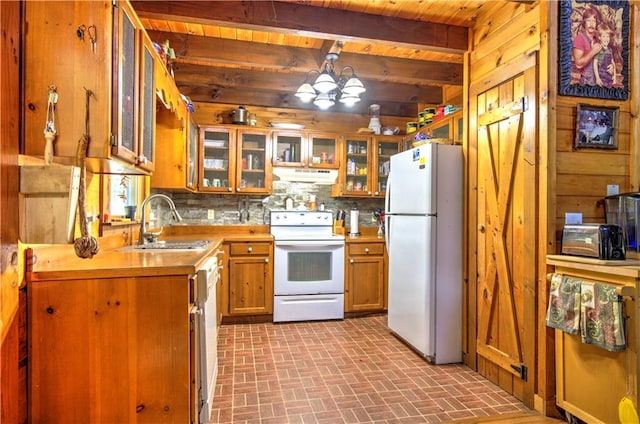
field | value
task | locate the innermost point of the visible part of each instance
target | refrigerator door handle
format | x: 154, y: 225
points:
x: 387, y: 215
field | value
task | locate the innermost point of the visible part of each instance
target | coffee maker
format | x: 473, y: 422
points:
x: 624, y: 210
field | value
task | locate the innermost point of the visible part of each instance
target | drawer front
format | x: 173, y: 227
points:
x: 237, y: 249
x: 366, y: 249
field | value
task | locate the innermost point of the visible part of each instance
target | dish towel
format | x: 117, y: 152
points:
x: 563, y: 312
x: 602, y: 319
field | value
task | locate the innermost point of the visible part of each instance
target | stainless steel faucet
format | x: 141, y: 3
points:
x: 151, y: 236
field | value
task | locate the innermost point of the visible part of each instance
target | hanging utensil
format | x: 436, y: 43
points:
x: 87, y: 245
x: 50, y: 126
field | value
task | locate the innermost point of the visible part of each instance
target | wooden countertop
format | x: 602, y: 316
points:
x: 59, y: 262
x: 626, y: 268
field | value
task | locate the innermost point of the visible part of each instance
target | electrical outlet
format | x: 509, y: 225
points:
x: 211, y: 214
x: 612, y: 189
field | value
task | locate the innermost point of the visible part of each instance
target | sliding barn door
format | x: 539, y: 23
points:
x: 506, y: 210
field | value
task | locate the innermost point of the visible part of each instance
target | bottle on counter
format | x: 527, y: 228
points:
x: 288, y: 203
x: 312, y: 202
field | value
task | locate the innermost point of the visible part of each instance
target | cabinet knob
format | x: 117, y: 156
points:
x: 229, y: 189
x: 366, y: 250
x: 238, y: 189
x: 350, y: 261
x: 250, y: 249
x: 266, y: 260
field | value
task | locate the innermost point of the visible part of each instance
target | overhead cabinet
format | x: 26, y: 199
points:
x: 366, y: 165
x: 305, y: 149
x: 235, y: 161
x: 74, y: 46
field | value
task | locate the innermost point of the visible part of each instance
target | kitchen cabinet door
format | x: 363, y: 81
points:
x: 250, y: 278
x: 383, y: 148
x: 323, y: 150
x: 117, y: 358
x: 365, y: 281
x: 217, y: 156
x: 253, y: 163
x: 250, y: 292
x: 289, y: 148
x: 147, y: 136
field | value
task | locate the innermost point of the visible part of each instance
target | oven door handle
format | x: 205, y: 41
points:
x: 307, y: 243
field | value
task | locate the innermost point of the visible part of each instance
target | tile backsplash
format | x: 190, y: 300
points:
x: 194, y: 208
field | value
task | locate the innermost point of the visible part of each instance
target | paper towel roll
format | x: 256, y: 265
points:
x: 353, y: 222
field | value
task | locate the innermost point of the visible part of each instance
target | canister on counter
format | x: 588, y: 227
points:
x: 412, y: 127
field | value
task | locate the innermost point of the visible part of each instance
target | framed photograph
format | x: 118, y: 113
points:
x: 593, y: 51
x: 597, y: 127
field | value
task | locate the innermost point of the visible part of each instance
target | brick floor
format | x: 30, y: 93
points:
x: 351, y: 371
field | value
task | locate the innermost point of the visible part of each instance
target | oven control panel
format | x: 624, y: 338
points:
x: 301, y: 218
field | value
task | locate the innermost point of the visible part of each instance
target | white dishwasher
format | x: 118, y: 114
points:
x: 208, y: 367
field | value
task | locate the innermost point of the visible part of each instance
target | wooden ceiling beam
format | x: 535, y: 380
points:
x: 238, y: 96
x: 231, y: 53
x: 187, y: 74
x: 311, y: 21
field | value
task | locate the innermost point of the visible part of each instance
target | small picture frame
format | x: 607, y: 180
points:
x: 596, y: 127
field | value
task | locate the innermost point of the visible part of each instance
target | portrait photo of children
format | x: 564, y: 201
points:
x: 594, y: 49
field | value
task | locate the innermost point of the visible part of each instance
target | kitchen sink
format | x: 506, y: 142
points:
x: 171, y: 245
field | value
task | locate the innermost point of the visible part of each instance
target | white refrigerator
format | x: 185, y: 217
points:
x: 423, y: 209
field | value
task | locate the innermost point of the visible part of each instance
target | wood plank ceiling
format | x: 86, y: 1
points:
x: 258, y: 52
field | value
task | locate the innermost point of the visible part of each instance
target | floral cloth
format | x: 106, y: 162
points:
x: 563, y: 312
x: 594, y: 310
x: 602, y: 319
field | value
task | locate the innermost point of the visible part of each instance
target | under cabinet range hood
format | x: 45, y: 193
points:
x: 318, y: 176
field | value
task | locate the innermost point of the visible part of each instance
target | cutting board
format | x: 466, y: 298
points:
x: 48, y: 202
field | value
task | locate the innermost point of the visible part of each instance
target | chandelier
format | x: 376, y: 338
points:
x: 327, y: 88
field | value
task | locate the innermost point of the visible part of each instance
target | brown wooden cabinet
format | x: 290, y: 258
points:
x: 250, y: 277
x: 235, y: 161
x: 112, y: 350
x: 591, y: 381
x: 306, y: 149
x: 116, y: 68
x: 449, y: 127
x: 366, y: 165
x: 365, y: 281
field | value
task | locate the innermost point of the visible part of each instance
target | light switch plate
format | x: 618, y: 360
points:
x: 211, y: 214
x: 572, y: 218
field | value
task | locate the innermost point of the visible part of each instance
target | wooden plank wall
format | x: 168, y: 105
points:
x: 582, y: 175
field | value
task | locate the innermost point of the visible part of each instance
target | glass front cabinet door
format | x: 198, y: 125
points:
x: 322, y: 150
x: 383, y: 149
x: 253, y: 165
x: 217, y: 147
x: 357, y: 166
x: 288, y: 148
